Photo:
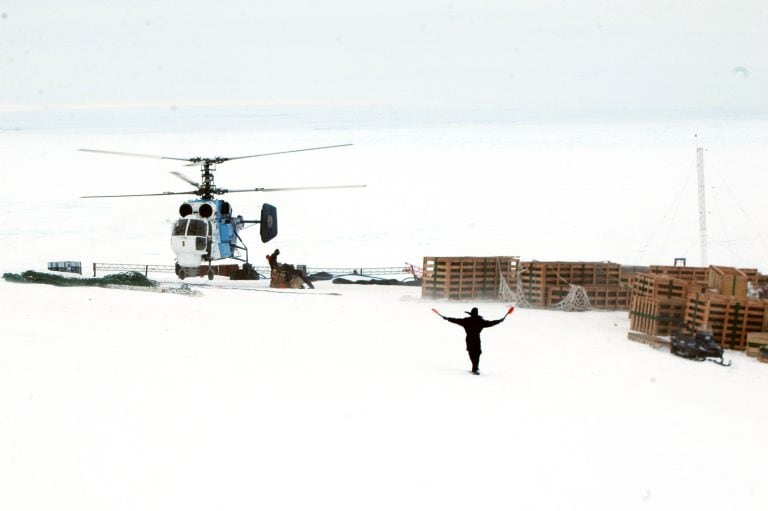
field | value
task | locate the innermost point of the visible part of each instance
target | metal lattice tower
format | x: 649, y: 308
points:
x: 702, y: 207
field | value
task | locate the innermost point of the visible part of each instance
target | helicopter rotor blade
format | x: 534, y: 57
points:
x: 137, y: 155
x: 185, y: 178
x: 286, y: 152
x: 137, y: 195
x: 292, y: 189
x: 195, y: 161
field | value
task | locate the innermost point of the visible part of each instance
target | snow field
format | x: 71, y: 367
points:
x: 246, y: 398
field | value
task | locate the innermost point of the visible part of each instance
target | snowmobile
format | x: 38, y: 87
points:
x: 697, y: 345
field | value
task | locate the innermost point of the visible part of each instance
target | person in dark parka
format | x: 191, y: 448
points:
x: 473, y: 325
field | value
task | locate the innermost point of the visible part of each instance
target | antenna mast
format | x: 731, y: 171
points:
x: 702, y: 206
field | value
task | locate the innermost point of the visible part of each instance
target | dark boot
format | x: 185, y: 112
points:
x: 475, y: 358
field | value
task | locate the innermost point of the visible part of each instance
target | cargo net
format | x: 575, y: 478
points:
x: 130, y: 278
x: 576, y: 300
x: 516, y: 296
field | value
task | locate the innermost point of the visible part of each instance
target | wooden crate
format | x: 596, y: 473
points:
x: 755, y: 340
x: 689, y: 273
x: 728, y: 281
x: 600, y: 297
x: 657, y: 316
x: 466, y: 278
x: 752, y: 274
x: 729, y: 317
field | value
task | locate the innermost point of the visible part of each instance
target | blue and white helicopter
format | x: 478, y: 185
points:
x: 207, y: 229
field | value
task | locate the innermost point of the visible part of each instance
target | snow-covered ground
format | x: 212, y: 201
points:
x: 359, y: 397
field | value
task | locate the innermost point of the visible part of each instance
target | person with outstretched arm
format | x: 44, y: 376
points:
x: 473, y: 325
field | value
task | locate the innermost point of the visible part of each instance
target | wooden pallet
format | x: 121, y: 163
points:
x: 600, y: 297
x: 689, y: 273
x: 756, y: 340
x: 225, y: 270
x: 662, y: 286
x: 657, y: 316
x: 559, y: 273
x: 466, y: 278
x: 712, y: 276
x: 729, y: 317
x: 533, y: 288
x: 651, y: 340
x: 537, y: 277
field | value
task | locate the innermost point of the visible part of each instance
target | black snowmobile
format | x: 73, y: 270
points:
x: 697, y: 346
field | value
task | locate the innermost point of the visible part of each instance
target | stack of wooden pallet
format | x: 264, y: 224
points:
x: 544, y: 284
x: 669, y: 298
x: 729, y: 317
x: 466, y: 278
x: 658, y: 303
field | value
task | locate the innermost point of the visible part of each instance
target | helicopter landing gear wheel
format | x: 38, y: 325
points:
x: 210, y: 274
x: 182, y: 274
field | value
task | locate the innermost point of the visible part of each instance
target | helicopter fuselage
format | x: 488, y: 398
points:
x: 206, y: 231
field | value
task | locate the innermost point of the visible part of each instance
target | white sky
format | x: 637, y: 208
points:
x: 542, y: 54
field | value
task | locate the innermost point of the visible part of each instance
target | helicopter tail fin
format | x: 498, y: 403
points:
x: 268, y: 224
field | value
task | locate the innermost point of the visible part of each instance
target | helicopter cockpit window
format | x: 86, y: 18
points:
x: 197, y: 228
x: 180, y: 227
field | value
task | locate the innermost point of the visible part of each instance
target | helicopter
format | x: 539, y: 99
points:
x: 207, y: 228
